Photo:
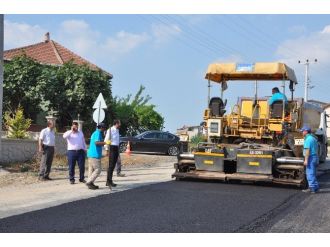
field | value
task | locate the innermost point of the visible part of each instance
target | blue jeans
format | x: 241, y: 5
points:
x: 311, y: 173
x: 73, y: 157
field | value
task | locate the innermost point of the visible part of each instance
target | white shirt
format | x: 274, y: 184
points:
x: 76, y: 140
x: 113, y: 136
x: 48, y: 137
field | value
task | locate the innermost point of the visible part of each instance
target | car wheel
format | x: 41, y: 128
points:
x: 173, y: 150
x: 122, y: 147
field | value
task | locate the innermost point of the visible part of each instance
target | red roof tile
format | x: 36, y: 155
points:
x: 49, y: 52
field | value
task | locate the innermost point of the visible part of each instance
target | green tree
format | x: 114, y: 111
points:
x: 16, y: 124
x: 136, y: 114
x: 20, y: 86
x: 72, y: 89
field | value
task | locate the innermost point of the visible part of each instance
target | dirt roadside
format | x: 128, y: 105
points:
x: 22, y: 192
x: 12, y: 175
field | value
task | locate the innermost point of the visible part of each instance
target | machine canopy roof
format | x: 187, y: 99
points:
x: 222, y: 72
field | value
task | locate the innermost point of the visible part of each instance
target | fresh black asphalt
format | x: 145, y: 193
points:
x: 176, y: 206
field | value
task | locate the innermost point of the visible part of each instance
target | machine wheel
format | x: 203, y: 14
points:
x: 173, y: 151
x: 122, y: 147
x: 322, y: 153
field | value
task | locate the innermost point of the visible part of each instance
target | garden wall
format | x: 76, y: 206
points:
x: 22, y: 150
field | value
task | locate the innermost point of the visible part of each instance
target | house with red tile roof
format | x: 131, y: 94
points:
x: 49, y: 52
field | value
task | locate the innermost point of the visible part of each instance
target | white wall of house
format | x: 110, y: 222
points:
x: 193, y: 131
x: 190, y: 131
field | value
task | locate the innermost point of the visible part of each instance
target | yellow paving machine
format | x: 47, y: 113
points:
x: 255, y: 141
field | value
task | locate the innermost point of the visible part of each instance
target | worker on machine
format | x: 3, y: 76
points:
x: 311, y: 159
x: 277, y: 96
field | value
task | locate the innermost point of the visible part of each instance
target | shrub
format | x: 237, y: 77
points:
x: 17, y: 125
x: 197, y: 139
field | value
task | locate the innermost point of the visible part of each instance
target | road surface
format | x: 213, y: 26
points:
x: 164, y: 207
x: 185, y: 206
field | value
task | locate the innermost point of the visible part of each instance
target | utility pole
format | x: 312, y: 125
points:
x: 307, y: 85
x: 1, y: 73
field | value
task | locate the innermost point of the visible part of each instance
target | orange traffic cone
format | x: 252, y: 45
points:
x: 128, y: 149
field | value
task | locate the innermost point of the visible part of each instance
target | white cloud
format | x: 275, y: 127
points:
x: 81, y: 38
x: 163, y: 33
x: 313, y: 45
x: 326, y: 30
x: 124, y: 42
x: 21, y: 34
x: 78, y: 35
x: 309, y: 46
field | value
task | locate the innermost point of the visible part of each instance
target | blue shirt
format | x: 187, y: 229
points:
x: 276, y: 97
x: 95, y: 151
x: 310, y: 143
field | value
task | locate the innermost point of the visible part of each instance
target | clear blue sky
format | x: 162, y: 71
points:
x: 169, y: 54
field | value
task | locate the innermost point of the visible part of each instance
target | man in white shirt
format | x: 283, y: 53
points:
x: 46, y: 147
x: 76, y: 152
x: 112, y: 135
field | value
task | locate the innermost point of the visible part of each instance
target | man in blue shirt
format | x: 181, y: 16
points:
x: 277, y: 96
x: 94, y: 155
x: 311, y: 159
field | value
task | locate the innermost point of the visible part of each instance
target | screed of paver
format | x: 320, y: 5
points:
x: 21, y: 199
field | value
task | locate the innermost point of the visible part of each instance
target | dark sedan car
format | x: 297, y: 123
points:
x: 152, y: 142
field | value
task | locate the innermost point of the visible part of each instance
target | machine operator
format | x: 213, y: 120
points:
x: 277, y: 96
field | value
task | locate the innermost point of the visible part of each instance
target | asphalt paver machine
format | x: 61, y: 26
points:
x: 254, y: 141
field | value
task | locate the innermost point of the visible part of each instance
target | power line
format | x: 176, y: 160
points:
x: 182, y: 41
x: 270, y: 39
x: 190, y: 36
x: 206, y: 36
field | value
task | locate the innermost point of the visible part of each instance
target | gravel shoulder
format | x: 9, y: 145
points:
x: 22, y: 192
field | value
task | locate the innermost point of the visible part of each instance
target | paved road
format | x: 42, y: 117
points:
x: 308, y: 214
x: 165, y: 207
x: 25, y: 198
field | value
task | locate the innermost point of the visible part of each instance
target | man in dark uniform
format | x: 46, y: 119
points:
x: 112, y: 138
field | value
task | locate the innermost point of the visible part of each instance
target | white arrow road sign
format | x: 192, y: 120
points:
x: 98, y: 115
x: 99, y: 105
x: 100, y: 102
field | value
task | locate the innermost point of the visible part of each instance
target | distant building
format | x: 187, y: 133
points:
x: 318, y: 103
x: 187, y: 132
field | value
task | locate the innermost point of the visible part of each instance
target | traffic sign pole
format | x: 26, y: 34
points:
x: 98, y: 119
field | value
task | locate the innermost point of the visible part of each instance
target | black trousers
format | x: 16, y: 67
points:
x: 113, y: 157
x: 46, y: 161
